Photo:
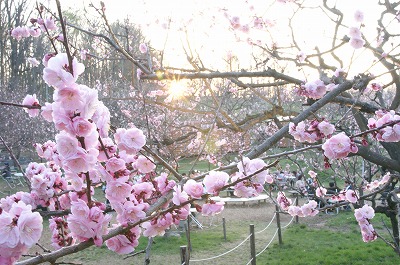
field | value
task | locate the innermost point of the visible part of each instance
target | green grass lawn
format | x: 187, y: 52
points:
x: 186, y: 164
x: 338, y: 242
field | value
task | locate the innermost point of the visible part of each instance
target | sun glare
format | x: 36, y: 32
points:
x: 177, y: 89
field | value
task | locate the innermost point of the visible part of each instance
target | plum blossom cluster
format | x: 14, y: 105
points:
x: 390, y: 133
x: 38, y: 25
x: 20, y: 229
x: 86, y: 223
x: 61, y: 235
x: 311, y: 132
x: 377, y: 183
x: 125, y: 243
x: 356, y: 40
x: 308, y: 209
x: 254, y: 185
x: 31, y: 100
x: 313, y: 89
x: 339, y: 146
x: 283, y: 201
x: 363, y: 216
x: 46, y: 181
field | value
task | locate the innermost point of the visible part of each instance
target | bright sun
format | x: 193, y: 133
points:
x: 177, y: 89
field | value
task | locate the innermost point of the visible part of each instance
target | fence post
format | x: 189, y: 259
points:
x: 224, y: 227
x: 278, y: 222
x: 297, y: 204
x: 184, y: 255
x: 252, y: 245
x: 187, y: 228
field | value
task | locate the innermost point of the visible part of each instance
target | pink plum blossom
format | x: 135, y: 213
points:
x: 31, y: 100
x: 9, y: 232
x: 120, y: 244
x: 212, y: 208
x: 130, y: 140
x: 214, y: 181
x: 70, y: 97
x: 313, y: 89
x: 126, y: 243
x: 359, y: 16
x: 301, y: 56
x: 57, y: 72
x: 143, y: 190
x: 245, y: 189
x: 101, y: 117
x: 356, y: 42
x: 30, y: 228
x: 131, y: 212
x: 144, y: 164
x: 179, y: 196
x: 82, y: 161
x: 355, y: 32
x: 143, y: 48
x: 283, y: 201
x: 249, y: 166
x: 117, y: 190
x: 67, y: 145
x: 339, y: 146
x: 320, y: 192
x: 363, y: 216
x: 193, y: 188
x: 87, y: 223
x: 47, y: 112
x: 20, y: 32
x: 351, y: 196
x: 33, y: 61
x: 115, y: 164
x: 326, y: 128
x: 387, y: 133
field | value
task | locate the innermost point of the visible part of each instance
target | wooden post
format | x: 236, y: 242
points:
x: 224, y: 227
x: 297, y: 204
x: 278, y: 222
x: 184, y: 255
x: 187, y: 228
x: 252, y: 245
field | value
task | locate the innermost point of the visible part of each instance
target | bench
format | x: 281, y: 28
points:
x: 259, y: 198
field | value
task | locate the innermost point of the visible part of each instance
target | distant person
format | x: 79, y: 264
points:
x: 6, y: 173
x: 300, y: 185
x: 292, y: 178
x: 332, y: 189
x: 348, y: 185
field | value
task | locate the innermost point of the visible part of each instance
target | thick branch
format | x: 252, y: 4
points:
x: 378, y: 159
x: 257, y: 151
x: 178, y: 76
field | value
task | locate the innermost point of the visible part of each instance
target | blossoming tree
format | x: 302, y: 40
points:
x: 342, y: 118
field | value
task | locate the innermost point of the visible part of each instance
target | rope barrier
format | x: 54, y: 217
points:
x: 249, y: 261
x: 273, y: 217
x: 269, y: 243
x: 265, y: 248
x: 223, y: 254
x: 289, y: 222
x: 276, y: 231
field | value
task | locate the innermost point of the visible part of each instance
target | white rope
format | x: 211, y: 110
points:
x: 249, y: 261
x: 273, y: 217
x: 223, y: 254
x: 269, y: 243
x: 288, y: 223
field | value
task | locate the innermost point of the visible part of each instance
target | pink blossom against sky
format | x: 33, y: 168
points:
x: 207, y: 25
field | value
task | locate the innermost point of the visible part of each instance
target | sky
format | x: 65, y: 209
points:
x: 205, y: 23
